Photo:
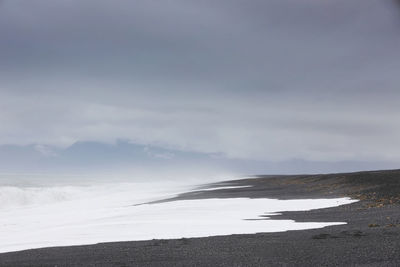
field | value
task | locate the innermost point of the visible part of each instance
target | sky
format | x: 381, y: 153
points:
x: 291, y: 83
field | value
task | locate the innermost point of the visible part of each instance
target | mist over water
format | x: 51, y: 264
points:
x: 17, y: 190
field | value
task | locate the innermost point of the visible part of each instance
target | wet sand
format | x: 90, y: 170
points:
x: 371, y: 237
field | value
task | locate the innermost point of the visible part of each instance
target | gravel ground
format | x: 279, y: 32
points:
x: 371, y: 237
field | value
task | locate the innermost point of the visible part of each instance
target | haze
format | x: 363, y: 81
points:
x: 279, y: 86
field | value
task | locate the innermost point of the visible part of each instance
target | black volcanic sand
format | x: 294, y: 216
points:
x: 371, y: 237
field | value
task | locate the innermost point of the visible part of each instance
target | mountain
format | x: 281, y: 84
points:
x: 124, y: 156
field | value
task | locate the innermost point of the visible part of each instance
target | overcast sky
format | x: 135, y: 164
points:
x: 258, y: 80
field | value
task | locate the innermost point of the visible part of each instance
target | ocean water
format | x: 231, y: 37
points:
x: 42, y: 214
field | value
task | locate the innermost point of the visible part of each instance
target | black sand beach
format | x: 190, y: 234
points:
x: 371, y: 237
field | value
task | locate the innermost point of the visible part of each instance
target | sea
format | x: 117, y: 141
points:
x: 64, y: 210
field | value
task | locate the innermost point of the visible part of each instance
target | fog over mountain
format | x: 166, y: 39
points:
x: 127, y: 160
x: 278, y: 86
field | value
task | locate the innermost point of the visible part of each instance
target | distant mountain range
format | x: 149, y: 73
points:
x: 93, y: 156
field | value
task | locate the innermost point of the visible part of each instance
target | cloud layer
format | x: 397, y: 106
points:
x: 260, y: 80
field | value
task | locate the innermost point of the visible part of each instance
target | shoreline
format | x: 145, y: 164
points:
x: 371, y: 236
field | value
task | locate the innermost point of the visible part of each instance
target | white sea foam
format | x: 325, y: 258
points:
x: 35, y: 217
x: 222, y: 188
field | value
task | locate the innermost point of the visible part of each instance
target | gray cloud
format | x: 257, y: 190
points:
x: 266, y: 80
